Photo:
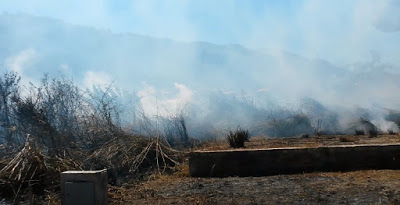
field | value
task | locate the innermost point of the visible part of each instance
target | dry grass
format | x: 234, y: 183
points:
x: 130, y: 193
x: 316, y: 141
x: 348, y: 139
x: 238, y: 137
x: 357, y: 187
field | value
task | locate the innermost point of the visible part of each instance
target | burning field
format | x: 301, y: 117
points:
x: 148, y: 171
x: 353, y: 187
x: 200, y: 102
x: 56, y: 127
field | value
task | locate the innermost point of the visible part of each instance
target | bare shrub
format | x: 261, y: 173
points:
x: 237, y: 137
x: 175, y: 131
x: 294, y: 125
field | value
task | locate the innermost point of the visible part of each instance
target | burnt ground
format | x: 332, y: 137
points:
x: 356, y: 187
x: 359, y: 187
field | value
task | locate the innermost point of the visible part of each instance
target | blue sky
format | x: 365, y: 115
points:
x: 341, y: 31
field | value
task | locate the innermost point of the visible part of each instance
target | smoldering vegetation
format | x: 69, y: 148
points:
x: 69, y: 116
x: 305, y: 118
x: 57, y: 126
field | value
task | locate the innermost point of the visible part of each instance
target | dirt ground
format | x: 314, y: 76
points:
x: 357, y: 187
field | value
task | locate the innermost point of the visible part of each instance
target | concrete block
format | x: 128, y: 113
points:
x: 264, y: 162
x: 84, y: 187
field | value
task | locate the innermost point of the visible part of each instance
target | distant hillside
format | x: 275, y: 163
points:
x: 37, y: 45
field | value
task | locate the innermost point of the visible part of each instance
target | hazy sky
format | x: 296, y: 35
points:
x: 341, y: 31
x: 359, y: 34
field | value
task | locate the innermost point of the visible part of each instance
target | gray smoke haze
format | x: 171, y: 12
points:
x: 390, y: 20
x: 214, y: 86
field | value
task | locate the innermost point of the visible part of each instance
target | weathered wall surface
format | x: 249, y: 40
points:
x: 84, y: 187
x: 293, y: 160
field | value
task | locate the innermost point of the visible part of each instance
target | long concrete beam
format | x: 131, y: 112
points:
x: 263, y: 162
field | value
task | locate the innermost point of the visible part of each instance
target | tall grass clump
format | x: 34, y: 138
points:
x: 236, y: 138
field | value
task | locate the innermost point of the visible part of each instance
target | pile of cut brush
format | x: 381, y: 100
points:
x: 131, y: 157
x: 32, y: 174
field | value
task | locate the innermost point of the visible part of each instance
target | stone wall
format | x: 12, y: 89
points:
x: 293, y: 160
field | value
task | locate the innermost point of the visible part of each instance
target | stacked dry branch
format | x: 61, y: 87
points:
x: 128, y: 155
x: 31, y: 173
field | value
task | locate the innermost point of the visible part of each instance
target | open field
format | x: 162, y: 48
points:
x: 356, y: 187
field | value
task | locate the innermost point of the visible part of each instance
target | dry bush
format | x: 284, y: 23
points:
x: 294, y: 125
x: 175, y: 132
x: 237, y: 137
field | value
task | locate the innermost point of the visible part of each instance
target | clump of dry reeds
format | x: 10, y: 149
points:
x: 236, y: 138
